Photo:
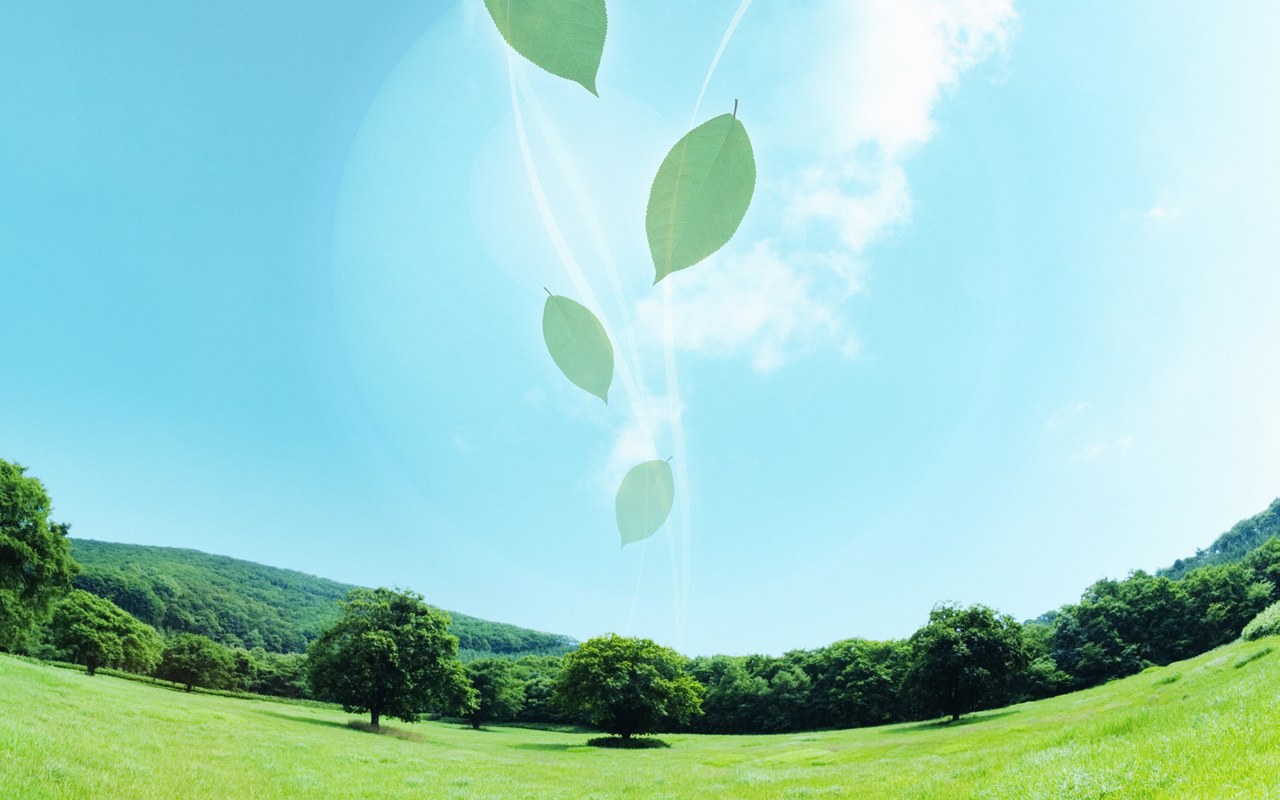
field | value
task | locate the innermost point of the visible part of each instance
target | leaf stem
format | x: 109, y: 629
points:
x: 735, y: 108
x: 548, y: 291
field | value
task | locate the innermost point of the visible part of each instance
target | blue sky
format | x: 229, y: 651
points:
x: 999, y: 322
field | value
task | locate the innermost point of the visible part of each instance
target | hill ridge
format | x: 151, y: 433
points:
x: 250, y: 604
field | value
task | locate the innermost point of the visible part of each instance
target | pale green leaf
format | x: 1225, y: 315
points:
x: 564, y: 37
x: 578, y: 344
x: 644, y: 500
x: 700, y: 194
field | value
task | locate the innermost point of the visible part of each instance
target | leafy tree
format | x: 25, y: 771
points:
x: 736, y: 699
x: 499, y: 690
x: 195, y: 660
x: 35, y: 560
x: 861, y: 680
x: 391, y: 654
x: 964, y: 659
x: 627, y: 686
x: 89, y: 630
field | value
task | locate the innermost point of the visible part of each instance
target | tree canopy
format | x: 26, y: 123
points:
x: 86, y: 629
x: 389, y: 654
x: 195, y: 660
x: 964, y: 659
x: 627, y: 686
x: 499, y: 690
x: 35, y: 559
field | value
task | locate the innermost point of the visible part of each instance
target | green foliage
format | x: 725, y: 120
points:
x: 1234, y: 545
x: 1266, y: 623
x: 564, y: 37
x: 627, y: 686
x: 578, y: 344
x: 644, y: 500
x: 194, y: 660
x: 1213, y: 734
x: 1118, y: 627
x: 86, y: 629
x: 964, y: 659
x: 35, y: 561
x: 389, y: 654
x: 243, y: 604
x: 498, y: 688
x: 700, y: 194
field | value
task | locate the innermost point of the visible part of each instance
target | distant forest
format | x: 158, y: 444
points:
x: 243, y: 604
x: 266, y: 617
x: 1243, y: 538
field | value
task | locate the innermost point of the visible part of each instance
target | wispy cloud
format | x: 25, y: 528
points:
x: 871, y: 85
x: 638, y: 439
x: 1060, y: 418
x: 1163, y: 211
x: 754, y: 302
x: 1100, y: 449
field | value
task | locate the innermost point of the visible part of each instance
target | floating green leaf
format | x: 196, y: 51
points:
x: 644, y: 500
x: 578, y: 344
x: 564, y: 37
x: 700, y: 194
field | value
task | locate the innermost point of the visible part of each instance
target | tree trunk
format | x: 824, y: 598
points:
x: 955, y: 715
x: 475, y: 723
x: 188, y: 687
x: 374, y: 716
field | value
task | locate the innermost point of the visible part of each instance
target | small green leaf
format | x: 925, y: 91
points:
x: 578, y: 344
x: 700, y: 194
x: 564, y: 37
x: 644, y: 500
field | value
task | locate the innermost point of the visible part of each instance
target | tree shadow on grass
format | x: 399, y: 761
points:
x: 309, y: 720
x: 940, y: 725
x: 548, y: 747
x: 385, y: 730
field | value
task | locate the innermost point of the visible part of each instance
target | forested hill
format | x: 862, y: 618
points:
x: 1245, y: 536
x: 251, y: 605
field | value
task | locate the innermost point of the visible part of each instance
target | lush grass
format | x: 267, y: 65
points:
x: 1211, y: 733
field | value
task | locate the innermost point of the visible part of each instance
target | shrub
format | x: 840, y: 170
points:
x: 1267, y: 623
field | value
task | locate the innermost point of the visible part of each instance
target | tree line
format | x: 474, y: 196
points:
x: 388, y: 653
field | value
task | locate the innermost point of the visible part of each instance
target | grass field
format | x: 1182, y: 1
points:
x: 1204, y: 728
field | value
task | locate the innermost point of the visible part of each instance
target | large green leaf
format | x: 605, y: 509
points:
x: 644, y: 500
x: 578, y: 344
x: 700, y: 194
x: 564, y: 37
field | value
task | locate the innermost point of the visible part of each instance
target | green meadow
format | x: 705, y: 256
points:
x: 1202, y: 728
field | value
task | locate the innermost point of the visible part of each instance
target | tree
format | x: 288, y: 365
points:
x: 964, y: 659
x: 499, y: 690
x: 35, y: 559
x: 195, y: 660
x: 391, y: 654
x: 95, y: 632
x: 627, y: 686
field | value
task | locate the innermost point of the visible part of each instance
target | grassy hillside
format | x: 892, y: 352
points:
x: 1202, y: 728
x: 1243, y: 538
x: 242, y: 603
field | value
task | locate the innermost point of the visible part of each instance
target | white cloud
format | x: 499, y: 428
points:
x: 1097, y: 450
x: 638, y: 439
x: 853, y: 113
x: 1163, y: 211
x: 755, y: 302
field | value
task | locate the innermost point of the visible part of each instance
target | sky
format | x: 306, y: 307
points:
x: 1000, y: 321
